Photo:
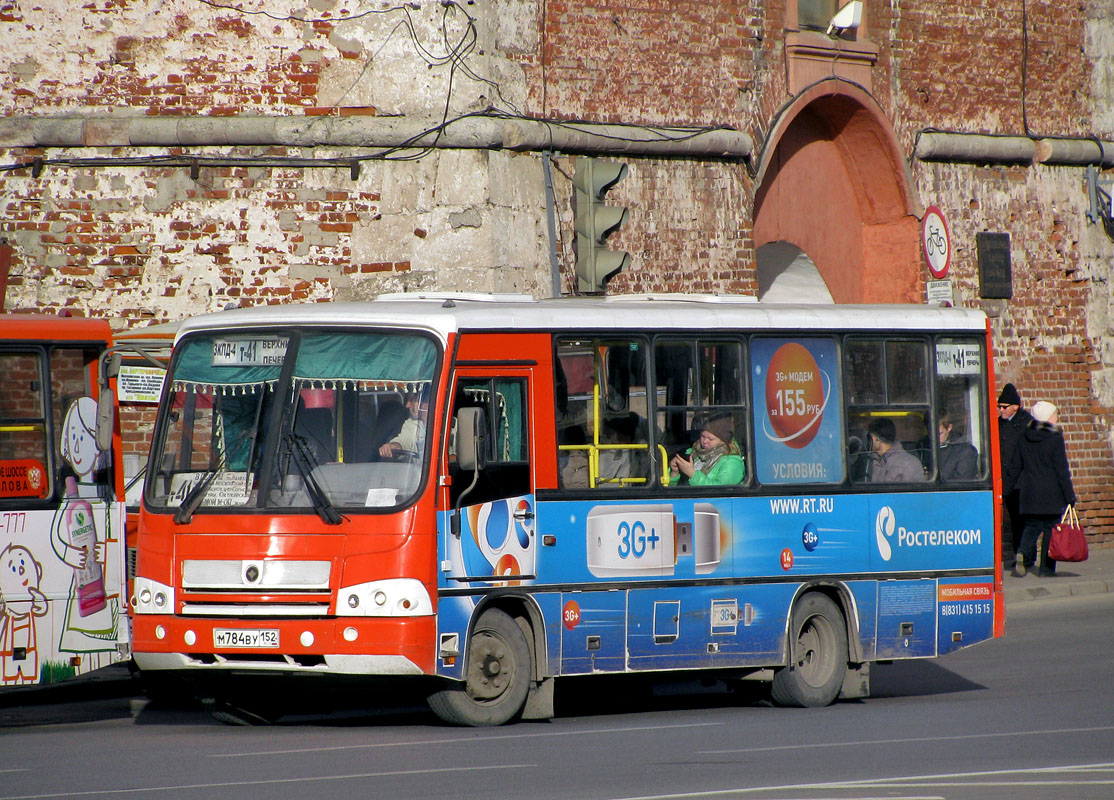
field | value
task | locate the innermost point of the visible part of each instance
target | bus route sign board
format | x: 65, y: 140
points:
x: 936, y: 242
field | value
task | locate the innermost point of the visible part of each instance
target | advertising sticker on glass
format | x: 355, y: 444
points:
x: 797, y: 411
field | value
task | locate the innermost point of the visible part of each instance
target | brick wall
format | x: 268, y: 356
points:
x: 991, y: 67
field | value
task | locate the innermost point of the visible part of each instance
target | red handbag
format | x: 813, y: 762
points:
x: 1068, y: 542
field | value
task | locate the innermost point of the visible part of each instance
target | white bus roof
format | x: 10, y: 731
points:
x: 445, y: 313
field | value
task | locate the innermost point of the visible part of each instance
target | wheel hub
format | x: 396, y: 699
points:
x: 493, y: 672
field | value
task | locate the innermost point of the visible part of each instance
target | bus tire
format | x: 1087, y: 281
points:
x: 497, y: 675
x: 817, y: 655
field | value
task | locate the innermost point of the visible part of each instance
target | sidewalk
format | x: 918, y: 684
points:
x: 1093, y: 576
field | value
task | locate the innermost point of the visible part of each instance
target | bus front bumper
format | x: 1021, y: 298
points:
x: 329, y: 663
x: 341, y: 646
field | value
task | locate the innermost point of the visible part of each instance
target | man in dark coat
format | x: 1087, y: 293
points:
x: 1040, y: 472
x: 1012, y: 422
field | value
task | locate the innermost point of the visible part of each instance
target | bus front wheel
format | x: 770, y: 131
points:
x: 497, y: 675
x: 817, y: 655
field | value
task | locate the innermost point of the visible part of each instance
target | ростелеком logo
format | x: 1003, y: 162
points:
x: 883, y: 529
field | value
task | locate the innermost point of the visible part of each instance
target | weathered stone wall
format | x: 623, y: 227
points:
x: 186, y: 57
x: 153, y: 244
x: 138, y: 242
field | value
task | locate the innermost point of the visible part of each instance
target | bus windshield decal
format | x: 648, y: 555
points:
x: 962, y: 358
x: 23, y: 477
x: 260, y: 352
x: 226, y: 488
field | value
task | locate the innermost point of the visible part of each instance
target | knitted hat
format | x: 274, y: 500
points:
x: 1009, y: 395
x: 721, y: 427
x: 1043, y: 411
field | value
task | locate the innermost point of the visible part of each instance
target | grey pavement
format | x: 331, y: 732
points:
x: 1093, y: 576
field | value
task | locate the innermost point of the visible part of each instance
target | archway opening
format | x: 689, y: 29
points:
x: 832, y: 183
x: 786, y: 274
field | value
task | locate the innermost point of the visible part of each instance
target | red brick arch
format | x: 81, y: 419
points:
x: 832, y: 181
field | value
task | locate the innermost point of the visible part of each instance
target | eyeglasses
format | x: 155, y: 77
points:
x: 1004, y: 405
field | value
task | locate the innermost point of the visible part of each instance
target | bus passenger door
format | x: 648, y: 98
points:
x: 495, y: 542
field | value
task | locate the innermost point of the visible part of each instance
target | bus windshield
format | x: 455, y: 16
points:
x: 320, y: 421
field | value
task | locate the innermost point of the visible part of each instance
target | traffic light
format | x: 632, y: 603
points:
x: 593, y: 221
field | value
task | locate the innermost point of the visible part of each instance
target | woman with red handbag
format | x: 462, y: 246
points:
x: 1039, y: 470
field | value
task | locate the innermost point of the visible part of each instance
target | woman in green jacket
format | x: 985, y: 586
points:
x: 715, y: 460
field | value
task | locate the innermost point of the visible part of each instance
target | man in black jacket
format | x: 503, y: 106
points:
x: 1012, y: 422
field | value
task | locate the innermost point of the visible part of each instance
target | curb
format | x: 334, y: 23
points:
x: 1051, y: 589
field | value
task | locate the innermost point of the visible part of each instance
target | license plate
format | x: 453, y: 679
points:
x: 240, y: 637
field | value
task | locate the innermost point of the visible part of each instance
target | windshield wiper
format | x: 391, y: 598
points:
x: 195, y: 495
x: 305, y: 462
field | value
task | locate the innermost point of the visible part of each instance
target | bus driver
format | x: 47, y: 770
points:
x: 411, y: 439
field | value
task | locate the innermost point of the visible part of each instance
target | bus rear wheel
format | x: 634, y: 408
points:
x: 817, y: 652
x: 497, y: 675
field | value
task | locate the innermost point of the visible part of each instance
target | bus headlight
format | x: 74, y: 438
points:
x: 152, y: 597
x: 394, y: 597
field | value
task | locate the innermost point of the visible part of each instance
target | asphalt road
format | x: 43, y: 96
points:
x: 1027, y: 716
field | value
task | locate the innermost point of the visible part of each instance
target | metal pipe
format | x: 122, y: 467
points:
x: 1075, y: 152
x: 939, y: 146
x: 476, y: 132
x: 936, y: 146
x: 550, y: 217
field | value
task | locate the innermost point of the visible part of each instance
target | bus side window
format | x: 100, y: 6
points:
x: 507, y: 471
x: 699, y: 381
x: 891, y: 447
x: 602, y: 402
x: 23, y: 424
x: 890, y: 429
x: 962, y: 422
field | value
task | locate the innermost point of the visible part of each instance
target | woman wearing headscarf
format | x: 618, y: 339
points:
x: 1041, y: 473
x: 714, y: 460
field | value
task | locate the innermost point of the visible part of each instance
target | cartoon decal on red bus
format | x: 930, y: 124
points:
x: 61, y: 560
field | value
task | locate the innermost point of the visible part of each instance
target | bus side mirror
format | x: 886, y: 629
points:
x: 106, y: 409
x: 112, y: 366
x: 471, y: 444
x: 106, y: 418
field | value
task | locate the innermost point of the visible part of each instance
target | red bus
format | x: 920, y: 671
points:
x: 489, y: 493
x: 62, y: 598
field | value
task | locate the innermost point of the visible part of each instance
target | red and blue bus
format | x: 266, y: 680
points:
x: 62, y: 576
x: 493, y: 492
